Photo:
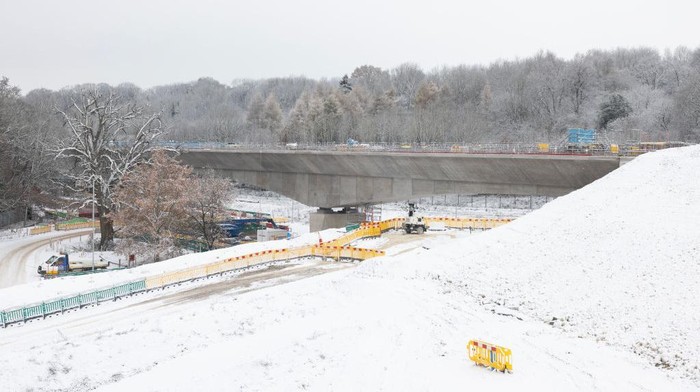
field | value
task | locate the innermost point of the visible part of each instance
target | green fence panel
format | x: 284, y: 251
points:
x: 53, y: 306
x: 15, y: 315
x: 102, y: 295
x: 71, y: 302
x: 122, y: 290
x: 138, y: 286
x: 58, y: 305
x: 88, y: 298
x: 33, y: 311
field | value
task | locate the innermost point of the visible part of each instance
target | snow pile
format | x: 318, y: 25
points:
x: 617, y: 261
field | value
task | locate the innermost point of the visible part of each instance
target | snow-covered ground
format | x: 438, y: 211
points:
x: 38, y: 289
x: 473, y: 206
x: 597, y: 290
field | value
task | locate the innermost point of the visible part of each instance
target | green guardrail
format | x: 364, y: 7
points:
x: 75, y: 220
x: 60, y: 305
x: 352, y: 227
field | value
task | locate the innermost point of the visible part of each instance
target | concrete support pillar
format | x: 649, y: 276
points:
x: 325, y: 218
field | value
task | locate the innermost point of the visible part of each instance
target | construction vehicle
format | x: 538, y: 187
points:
x: 60, y: 264
x: 414, y: 223
x: 237, y: 228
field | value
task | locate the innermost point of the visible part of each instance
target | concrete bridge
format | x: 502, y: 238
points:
x: 328, y: 179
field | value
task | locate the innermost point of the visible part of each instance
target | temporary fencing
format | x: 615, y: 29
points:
x: 40, y: 230
x: 60, y: 305
x: 80, y: 225
x: 468, y: 223
x: 326, y: 251
x: 490, y: 355
x: 337, y: 249
x: 63, y: 227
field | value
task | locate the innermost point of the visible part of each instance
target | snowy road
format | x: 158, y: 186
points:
x: 16, y: 258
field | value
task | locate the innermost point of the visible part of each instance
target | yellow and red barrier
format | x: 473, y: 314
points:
x: 337, y: 249
x: 490, y: 355
x: 80, y: 225
x: 39, y: 230
x: 468, y: 223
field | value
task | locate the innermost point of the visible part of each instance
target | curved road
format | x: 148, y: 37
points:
x: 17, y: 255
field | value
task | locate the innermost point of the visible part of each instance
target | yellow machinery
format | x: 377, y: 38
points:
x: 490, y: 355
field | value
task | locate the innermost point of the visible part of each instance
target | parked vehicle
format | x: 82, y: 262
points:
x: 59, y: 264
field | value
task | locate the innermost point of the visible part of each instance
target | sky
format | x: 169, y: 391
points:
x: 53, y: 44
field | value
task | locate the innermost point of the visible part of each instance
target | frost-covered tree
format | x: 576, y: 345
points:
x: 151, y: 206
x: 345, y: 85
x: 209, y: 196
x: 272, y: 114
x: 613, y: 108
x: 25, y: 165
x: 372, y: 78
x: 108, y: 137
x: 256, y: 111
x: 406, y: 79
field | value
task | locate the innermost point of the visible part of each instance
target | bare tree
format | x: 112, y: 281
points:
x: 406, y: 79
x: 152, y: 203
x: 108, y: 138
x: 25, y: 166
x: 208, y: 199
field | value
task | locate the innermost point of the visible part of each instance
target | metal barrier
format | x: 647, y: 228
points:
x: 40, y: 230
x: 74, y: 226
x: 468, y: 223
x: 490, y: 355
x: 60, y: 305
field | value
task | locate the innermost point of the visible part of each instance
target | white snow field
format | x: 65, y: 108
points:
x: 596, y: 291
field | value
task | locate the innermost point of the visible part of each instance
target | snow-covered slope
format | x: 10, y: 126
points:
x: 617, y: 261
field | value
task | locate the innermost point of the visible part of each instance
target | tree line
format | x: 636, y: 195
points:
x: 627, y: 94
x: 100, y: 149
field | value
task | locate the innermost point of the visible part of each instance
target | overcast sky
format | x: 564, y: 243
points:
x: 54, y: 44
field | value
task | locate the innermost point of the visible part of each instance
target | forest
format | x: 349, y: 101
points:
x: 627, y: 94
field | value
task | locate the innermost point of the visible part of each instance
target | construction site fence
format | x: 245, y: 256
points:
x: 325, y: 251
x: 337, y: 249
x: 542, y: 148
x: 80, y: 225
x: 455, y: 223
x: 40, y: 230
x: 467, y: 223
x: 60, y: 305
x: 490, y: 355
x: 64, y: 227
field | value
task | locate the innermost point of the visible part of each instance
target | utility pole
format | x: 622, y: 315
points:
x: 93, y: 224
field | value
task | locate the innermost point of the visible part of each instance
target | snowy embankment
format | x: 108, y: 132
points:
x: 617, y: 261
x: 43, y: 290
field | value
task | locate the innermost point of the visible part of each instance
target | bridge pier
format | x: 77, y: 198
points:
x: 326, y: 218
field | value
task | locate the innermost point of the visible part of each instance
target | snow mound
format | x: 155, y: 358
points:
x: 617, y: 261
